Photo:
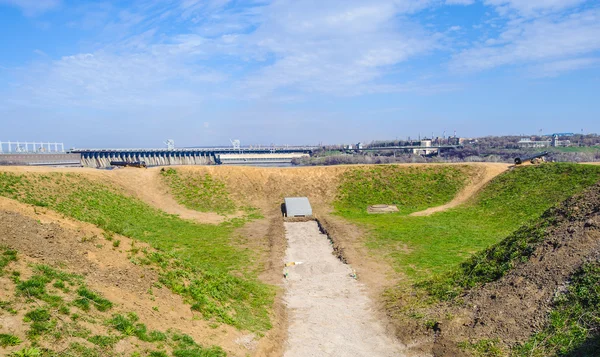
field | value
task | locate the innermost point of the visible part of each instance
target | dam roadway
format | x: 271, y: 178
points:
x: 194, y: 156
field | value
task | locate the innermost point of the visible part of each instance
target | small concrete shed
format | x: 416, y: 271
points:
x: 297, y: 207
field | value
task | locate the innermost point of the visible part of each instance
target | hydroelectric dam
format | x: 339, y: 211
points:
x: 101, y: 158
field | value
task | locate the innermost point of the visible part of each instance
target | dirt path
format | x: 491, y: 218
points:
x: 144, y: 184
x: 329, y: 311
x: 481, y: 179
x: 147, y: 186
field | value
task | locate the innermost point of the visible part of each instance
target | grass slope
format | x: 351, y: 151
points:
x: 411, y: 188
x: 426, y: 247
x: 198, y: 192
x: 198, y: 260
x: 57, y: 313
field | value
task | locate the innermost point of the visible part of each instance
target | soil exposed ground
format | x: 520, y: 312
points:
x: 476, y: 183
x: 330, y: 313
x: 41, y: 236
x: 517, y: 305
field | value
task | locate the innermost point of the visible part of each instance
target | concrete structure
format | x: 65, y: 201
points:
x: 49, y: 159
x: 31, y: 147
x: 297, y: 207
x: 191, y: 156
x: 528, y: 143
x: 424, y: 149
x: 240, y: 159
x: 556, y: 142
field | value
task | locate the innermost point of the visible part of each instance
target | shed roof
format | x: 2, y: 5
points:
x: 297, y: 207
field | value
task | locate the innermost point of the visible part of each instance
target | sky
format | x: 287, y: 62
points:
x: 136, y: 73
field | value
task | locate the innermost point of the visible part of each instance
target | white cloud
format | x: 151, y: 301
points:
x: 556, y: 68
x: 540, y: 40
x: 33, y: 7
x: 460, y: 2
x: 338, y: 47
x: 341, y: 47
x: 533, y: 7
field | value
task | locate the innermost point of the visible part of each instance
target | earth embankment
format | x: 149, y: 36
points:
x: 543, y: 257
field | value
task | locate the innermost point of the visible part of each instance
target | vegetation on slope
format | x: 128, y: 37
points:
x: 197, y: 260
x: 574, y: 325
x: 203, y: 193
x: 59, y: 312
x: 427, y: 247
x: 411, y: 188
x: 491, y: 263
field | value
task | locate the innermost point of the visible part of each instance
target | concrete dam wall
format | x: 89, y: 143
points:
x: 101, y: 160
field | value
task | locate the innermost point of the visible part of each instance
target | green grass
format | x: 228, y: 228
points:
x: 49, y: 327
x: 27, y: 352
x: 411, y: 188
x: 484, y: 348
x: 36, y: 285
x: 202, y: 193
x: 491, y: 263
x: 37, y: 315
x: 427, y: 247
x: 574, y: 324
x: 7, y: 256
x: 88, y: 297
x: 222, y: 286
x: 129, y: 326
x: 103, y: 341
x: 590, y: 149
x: 9, y: 340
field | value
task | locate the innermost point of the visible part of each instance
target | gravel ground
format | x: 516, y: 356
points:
x: 330, y: 313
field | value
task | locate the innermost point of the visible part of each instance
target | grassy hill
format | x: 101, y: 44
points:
x: 196, y: 261
x: 425, y: 247
x: 203, y: 193
x: 411, y: 188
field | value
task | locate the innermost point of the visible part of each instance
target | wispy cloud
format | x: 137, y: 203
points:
x: 341, y: 48
x: 549, y: 38
x: 185, y: 53
x: 33, y: 7
x: 556, y: 68
x: 460, y: 2
x: 532, y: 7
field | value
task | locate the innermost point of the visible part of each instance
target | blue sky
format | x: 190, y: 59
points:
x: 135, y: 73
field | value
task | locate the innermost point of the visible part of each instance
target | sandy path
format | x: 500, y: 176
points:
x: 488, y: 172
x: 144, y: 184
x: 330, y: 313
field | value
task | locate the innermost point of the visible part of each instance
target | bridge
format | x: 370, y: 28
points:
x: 194, y: 156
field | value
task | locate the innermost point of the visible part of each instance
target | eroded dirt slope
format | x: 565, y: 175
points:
x: 43, y: 237
x: 517, y: 305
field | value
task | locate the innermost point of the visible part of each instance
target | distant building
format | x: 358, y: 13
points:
x: 528, y: 143
x: 558, y: 143
x: 425, y: 143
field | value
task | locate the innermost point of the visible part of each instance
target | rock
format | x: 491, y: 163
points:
x: 591, y: 223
